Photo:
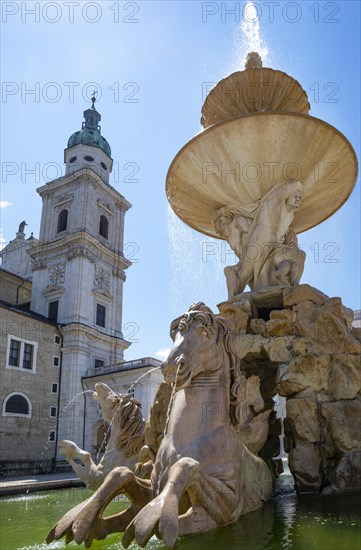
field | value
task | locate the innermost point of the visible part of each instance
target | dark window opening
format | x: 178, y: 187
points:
x: 17, y: 404
x: 51, y: 435
x: 14, y: 355
x: 103, y: 227
x: 54, y: 387
x: 88, y: 158
x: 53, y: 412
x: 53, y: 311
x: 100, y: 318
x: 73, y: 159
x: 104, y: 166
x: 98, y: 363
x: 57, y: 340
x: 62, y: 220
x: 28, y: 356
x: 56, y: 361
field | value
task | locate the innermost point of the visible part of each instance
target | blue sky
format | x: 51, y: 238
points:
x: 151, y: 62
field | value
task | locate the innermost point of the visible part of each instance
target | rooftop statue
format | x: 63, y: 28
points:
x: 22, y: 227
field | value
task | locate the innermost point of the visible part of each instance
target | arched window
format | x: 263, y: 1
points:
x: 17, y: 404
x: 103, y: 227
x: 62, y: 220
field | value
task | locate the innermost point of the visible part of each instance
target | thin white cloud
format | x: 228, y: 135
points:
x: 163, y: 353
x: 4, y: 204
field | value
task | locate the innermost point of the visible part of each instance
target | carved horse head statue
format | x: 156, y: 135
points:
x: 203, y: 351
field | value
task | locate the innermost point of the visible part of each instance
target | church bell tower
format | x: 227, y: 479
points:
x: 79, y: 266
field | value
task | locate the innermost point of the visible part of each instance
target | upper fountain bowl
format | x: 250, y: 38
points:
x: 253, y: 90
x: 239, y: 160
x: 258, y: 134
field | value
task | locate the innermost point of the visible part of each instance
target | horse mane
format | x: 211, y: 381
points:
x: 234, y: 370
x: 129, y: 420
x: 200, y: 312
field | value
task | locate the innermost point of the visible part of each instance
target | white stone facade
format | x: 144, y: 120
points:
x: 81, y: 270
x: 73, y: 275
x: 15, y: 256
x: 79, y: 156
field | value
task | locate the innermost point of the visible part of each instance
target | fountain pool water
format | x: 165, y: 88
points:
x: 316, y: 522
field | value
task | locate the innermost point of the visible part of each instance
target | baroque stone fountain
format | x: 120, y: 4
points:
x: 262, y: 171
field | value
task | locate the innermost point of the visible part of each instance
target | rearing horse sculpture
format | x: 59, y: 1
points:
x: 204, y: 476
x: 126, y: 439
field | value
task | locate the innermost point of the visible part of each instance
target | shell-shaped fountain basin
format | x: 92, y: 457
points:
x: 237, y: 161
x: 253, y: 90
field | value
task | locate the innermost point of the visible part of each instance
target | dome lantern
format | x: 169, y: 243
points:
x: 88, y: 148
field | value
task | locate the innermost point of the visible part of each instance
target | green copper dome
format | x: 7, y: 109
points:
x: 90, y: 132
x: 90, y: 137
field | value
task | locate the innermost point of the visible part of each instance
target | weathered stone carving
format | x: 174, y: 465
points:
x: 84, y: 251
x: 262, y: 237
x: 57, y: 273
x: 154, y: 430
x: 101, y: 278
x: 119, y: 272
x: 125, y: 441
x: 307, y: 352
x: 22, y: 227
x: 203, y: 475
x: 64, y: 201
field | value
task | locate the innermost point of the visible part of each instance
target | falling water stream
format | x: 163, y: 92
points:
x: 169, y: 410
x: 62, y: 413
x: 198, y: 261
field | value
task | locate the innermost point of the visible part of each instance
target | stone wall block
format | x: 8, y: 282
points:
x: 281, y: 327
x: 258, y: 326
x: 238, y: 314
x: 346, y: 476
x: 306, y: 314
x: 284, y: 314
x: 292, y: 296
x: 335, y: 306
x: 343, y: 426
x: 280, y: 349
x: 303, y: 419
x: 303, y: 345
x: 305, y: 371
x: 333, y: 335
x: 251, y: 347
x: 345, y: 376
x: 348, y: 316
x: 306, y: 467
